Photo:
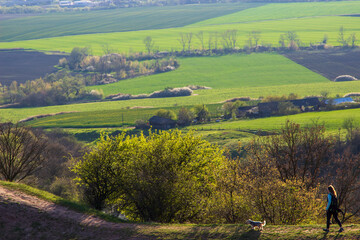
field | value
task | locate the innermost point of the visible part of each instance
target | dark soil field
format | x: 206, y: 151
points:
x: 329, y: 63
x: 21, y: 66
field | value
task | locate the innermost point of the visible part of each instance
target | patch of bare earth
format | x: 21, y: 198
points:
x: 20, y: 66
x: 27, y: 217
x: 329, y: 63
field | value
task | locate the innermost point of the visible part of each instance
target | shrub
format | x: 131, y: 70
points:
x: 165, y: 177
x: 185, y: 117
x: 166, y: 114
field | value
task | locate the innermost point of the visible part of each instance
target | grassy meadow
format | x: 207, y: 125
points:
x: 115, y: 20
x: 333, y: 121
x: 232, y: 71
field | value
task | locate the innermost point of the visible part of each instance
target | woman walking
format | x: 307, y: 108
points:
x: 332, y: 209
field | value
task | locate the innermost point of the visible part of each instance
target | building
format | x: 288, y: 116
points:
x: 161, y: 123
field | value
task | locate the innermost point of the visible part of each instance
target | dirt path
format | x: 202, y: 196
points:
x: 59, y: 211
x: 24, y: 216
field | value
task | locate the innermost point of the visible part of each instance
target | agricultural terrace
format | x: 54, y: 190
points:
x: 115, y: 20
x: 308, y: 29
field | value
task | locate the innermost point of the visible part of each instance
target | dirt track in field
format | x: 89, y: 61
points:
x: 329, y: 63
x: 21, y: 66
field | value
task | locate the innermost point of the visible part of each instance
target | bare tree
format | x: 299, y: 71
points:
x: 216, y: 40
x: 299, y: 153
x: 254, y: 38
x: 182, y: 41
x: 20, y: 152
x: 188, y: 40
x: 149, y: 44
x: 353, y: 39
x: 200, y: 36
x: 341, y: 38
x: 107, y: 49
x: 345, y: 175
x: 229, y: 39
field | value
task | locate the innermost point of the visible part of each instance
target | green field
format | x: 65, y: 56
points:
x: 232, y: 71
x: 333, y: 121
x: 203, y: 97
x: 277, y: 11
x: 116, y: 20
x: 308, y: 29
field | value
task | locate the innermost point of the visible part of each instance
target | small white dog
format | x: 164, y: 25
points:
x: 254, y: 224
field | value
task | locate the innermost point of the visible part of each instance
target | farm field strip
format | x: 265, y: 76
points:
x: 116, y: 20
x: 231, y: 71
x: 333, y: 121
x: 276, y: 11
x: 308, y: 30
x: 106, y: 118
x: 205, y: 97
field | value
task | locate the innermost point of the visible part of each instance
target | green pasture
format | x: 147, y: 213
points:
x: 308, y: 30
x: 231, y: 71
x: 333, y: 121
x: 276, y: 11
x: 115, y: 20
x: 107, y: 118
x: 200, y: 97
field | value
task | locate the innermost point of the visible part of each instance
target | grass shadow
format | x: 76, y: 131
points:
x: 252, y: 234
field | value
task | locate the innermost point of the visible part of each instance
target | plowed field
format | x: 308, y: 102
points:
x: 329, y: 63
x: 21, y: 66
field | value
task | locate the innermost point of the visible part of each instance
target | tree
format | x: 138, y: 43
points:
x: 21, y: 152
x: 166, y: 114
x: 345, y: 175
x: 200, y: 36
x: 182, y: 41
x: 202, y: 113
x: 164, y: 177
x: 185, y: 117
x: 253, y: 40
x: 341, y: 38
x: 298, y: 153
x: 77, y: 55
x: 229, y: 39
x: 353, y: 39
x: 96, y: 173
x: 189, y: 39
x: 149, y: 44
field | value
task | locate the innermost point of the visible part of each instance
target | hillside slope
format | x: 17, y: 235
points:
x: 28, y: 217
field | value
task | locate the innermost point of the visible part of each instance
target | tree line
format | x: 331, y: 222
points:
x: 227, y: 41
